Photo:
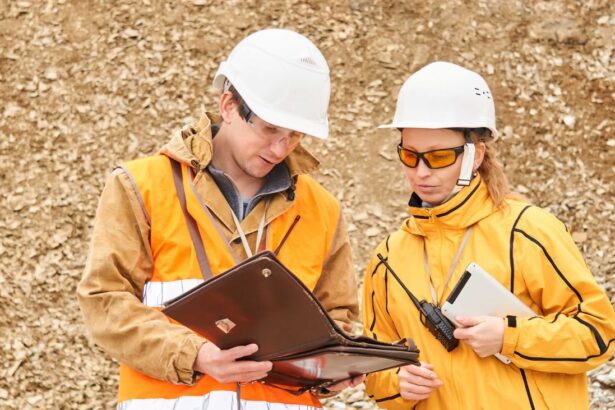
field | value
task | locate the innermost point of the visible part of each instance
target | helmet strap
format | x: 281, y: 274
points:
x: 227, y: 85
x: 467, y: 164
x: 245, y: 111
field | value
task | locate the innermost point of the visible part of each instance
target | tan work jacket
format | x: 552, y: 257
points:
x: 120, y: 263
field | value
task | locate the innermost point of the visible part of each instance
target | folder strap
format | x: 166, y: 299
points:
x: 193, y: 228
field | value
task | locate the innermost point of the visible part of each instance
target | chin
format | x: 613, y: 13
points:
x: 259, y: 172
x: 432, y: 199
x: 256, y: 169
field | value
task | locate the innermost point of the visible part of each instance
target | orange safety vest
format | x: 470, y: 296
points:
x: 177, y: 269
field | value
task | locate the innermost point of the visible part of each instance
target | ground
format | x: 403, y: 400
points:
x: 88, y: 84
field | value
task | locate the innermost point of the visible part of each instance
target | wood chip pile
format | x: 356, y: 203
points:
x: 88, y: 84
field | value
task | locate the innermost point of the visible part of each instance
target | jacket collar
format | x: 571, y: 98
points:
x: 466, y: 208
x: 193, y: 146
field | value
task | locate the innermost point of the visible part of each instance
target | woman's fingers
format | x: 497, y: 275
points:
x: 415, y: 388
x: 423, y: 375
x: 415, y: 397
x: 417, y: 382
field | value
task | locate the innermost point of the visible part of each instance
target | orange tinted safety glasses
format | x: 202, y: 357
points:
x: 437, y: 158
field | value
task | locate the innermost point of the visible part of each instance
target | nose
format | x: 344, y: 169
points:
x: 422, y: 170
x: 280, y: 149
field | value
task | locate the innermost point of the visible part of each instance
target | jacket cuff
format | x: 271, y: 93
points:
x: 186, y: 358
x: 511, y: 336
x: 383, y: 388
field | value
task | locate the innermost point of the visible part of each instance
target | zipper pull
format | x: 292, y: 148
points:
x: 431, y: 215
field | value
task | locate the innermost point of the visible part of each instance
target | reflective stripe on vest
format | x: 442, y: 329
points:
x: 176, y: 266
x: 155, y: 294
x: 216, y: 400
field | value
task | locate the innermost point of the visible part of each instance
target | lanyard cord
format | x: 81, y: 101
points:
x: 434, y: 295
x: 259, y: 233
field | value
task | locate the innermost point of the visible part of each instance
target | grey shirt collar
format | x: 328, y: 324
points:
x: 278, y: 180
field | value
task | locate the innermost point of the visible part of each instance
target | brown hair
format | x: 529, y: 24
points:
x: 243, y: 108
x: 235, y: 93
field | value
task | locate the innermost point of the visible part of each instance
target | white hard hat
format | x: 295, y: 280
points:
x: 283, y: 78
x: 444, y: 95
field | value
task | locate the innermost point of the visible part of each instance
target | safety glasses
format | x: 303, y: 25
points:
x: 267, y: 131
x: 272, y: 133
x: 437, y: 158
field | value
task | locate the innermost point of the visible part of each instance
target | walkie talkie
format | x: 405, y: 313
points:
x: 439, y: 326
x: 431, y: 315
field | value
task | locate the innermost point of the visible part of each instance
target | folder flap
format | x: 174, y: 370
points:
x: 258, y: 301
x: 331, y: 365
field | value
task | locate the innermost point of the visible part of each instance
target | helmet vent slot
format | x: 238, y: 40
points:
x: 480, y: 92
x: 308, y: 60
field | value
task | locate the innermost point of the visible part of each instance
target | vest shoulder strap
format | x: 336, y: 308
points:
x: 197, y: 241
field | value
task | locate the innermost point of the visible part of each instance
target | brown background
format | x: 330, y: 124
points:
x: 87, y: 84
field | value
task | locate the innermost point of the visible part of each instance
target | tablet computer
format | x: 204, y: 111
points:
x: 478, y: 294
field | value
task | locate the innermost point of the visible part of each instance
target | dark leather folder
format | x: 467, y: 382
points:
x: 260, y: 301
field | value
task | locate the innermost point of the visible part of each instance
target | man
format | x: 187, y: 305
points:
x: 216, y: 194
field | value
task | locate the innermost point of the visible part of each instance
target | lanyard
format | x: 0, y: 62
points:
x: 450, y: 272
x: 259, y: 233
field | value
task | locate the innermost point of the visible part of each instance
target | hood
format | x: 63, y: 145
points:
x: 193, y: 146
x: 466, y: 208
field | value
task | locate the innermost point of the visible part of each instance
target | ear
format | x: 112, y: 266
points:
x: 479, y: 154
x: 227, y: 106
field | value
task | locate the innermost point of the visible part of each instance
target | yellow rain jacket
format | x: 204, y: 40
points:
x: 530, y: 252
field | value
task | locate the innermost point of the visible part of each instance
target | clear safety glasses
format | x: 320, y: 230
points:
x: 269, y: 132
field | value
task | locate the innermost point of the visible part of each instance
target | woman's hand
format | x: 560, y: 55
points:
x: 417, y: 382
x: 484, y: 334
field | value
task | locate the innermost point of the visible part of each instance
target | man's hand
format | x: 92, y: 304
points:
x: 484, y: 334
x: 417, y: 382
x: 223, y: 366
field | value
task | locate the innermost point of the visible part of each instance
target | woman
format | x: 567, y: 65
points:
x: 462, y: 211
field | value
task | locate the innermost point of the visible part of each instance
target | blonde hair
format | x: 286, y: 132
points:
x: 491, y: 170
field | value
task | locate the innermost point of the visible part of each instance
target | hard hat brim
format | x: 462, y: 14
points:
x: 401, y: 125
x: 285, y: 120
